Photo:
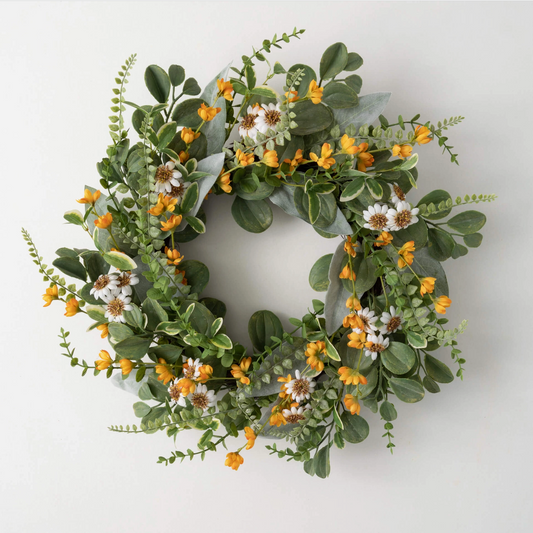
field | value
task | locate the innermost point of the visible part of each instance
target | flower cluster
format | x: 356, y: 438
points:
x: 115, y: 290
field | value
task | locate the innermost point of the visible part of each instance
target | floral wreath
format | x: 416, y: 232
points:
x: 313, y: 151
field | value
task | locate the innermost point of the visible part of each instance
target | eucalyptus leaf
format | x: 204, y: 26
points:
x: 367, y: 111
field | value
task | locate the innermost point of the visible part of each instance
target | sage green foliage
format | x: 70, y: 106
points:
x: 172, y: 319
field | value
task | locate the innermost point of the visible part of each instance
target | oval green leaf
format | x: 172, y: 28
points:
x: 318, y: 277
x: 254, y: 216
x: 158, y: 83
x: 262, y: 326
x: 407, y: 390
x: 398, y: 358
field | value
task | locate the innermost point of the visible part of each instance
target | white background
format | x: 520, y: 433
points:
x: 463, y: 457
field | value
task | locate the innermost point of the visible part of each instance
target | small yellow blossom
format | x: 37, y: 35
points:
x: 105, y: 361
x: 324, y: 161
x: 224, y: 181
x: 270, y: 158
x: 165, y: 374
x: 276, y: 418
x: 225, y: 88
x: 238, y: 371
x: 421, y: 135
x: 208, y: 113
x: 314, y: 349
x: 315, y: 92
x: 352, y: 404
x: 357, y: 340
x: 244, y: 159
x: 406, y: 257
x: 184, y: 156
x: 234, y: 460
x: 206, y: 373
x: 347, y: 145
x: 174, y: 257
x: 402, y: 151
x: 350, y: 376
x: 427, y: 285
x: 441, y: 303
x: 298, y: 158
x: 347, y: 273
x: 364, y: 159
x: 283, y: 380
x: 89, y: 197
x: 353, y: 321
x: 126, y: 365
x: 384, y: 239
x: 72, y: 307
x: 188, y: 135
x: 348, y: 246
x: 164, y: 203
x: 250, y: 437
x: 173, y: 222
x: 104, y: 328
x: 353, y: 303
x: 104, y: 221
x: 185, y: 386
x: 292, y: 98
x: 50, y: 295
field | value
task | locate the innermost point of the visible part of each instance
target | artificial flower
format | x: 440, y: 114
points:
x: 250, y: 437
x: 427, y: 285
x: 364, y: 159
x: 391, y: 321
x: 105, y: 361
x: 405, y: 256
x: 314, y: 349
x: 347, y: 145
x: 402, y: 216
x: 268, y: 116
x: 277, y: 418
x: 353, y: 321
x: 248, y: 124
x: 116, y: 305
x: 188, y: 135
x: 357, y: 340
x: 441, y: 303
x: 324, y: 161
x: 164, y: 204
x: 270, y: 158
x: 89, y: 197
x: 165, y: 176
x: 352, y: 404
x: 104, y: 221
x: 104, y: 286
x: 294, y: 414
x: 224, y: 181
x: 293, y: 98
x: 104, y: 329
x: 396, y: 194
x: 208, y: 113
x: 126, y: 365
x: 72, y: 307
x: 165, y: 373
x: 200, y: 398
x: 206, y: 373
x: 244, y: 159
x: 234, y: 460
x: 173, y: 222
x: 173, y: 256
x: 347, y: 273
x: 384, y: 239
x: 300, y: 388
x: 315, y: 92
x: 293, y: 163
x: 50, y: 295
x: 181, y: 389
x: 421, y: 135
x: 349, y: 247
x: 353, y: 303
x: 369, y: 319
x: 351, y: 376
x: 225, y: 88
x: 191, y: 368
x: 238, y: 371
x: 376, y: 217
x: 375, y: 344
x: 402, y: 151
x: 283, y: 394
x: 125, y: 281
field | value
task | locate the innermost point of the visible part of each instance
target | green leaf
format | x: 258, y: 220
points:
x: 262, y: 326
x: 314, y: 207
x: 74, y: 217
x: 375, y: 189
x: 366, y: 111
x: 416, y: 340
x: 355, y: 82
x: 311, y: 118
x: 440, y: 244
x: 333, y: 61
x: 331, y: 350
x: 120, y: 260
x: 430, y: 385
x: 354, y: 189
x: 197, y: 275
x: 264, y: 90
x: 201, y: 318
x: 133, y: 347
x: 437, y: 370
x: 254, y: 216
x: 407, y: 390
x: 96, y: 312
x: 71, y: 267
x: 467, y: 222
x: 250, y: 76
x: 217, y: 307
x: 119, y: 331
x: 158, y: 83
x: 222, y: 341
x: 398, y: 358
x: 473, y: 240
x: 337, y: 418
x: 459, y: 251
x: 169, y: 352
x: 415, y: 232
x: 355, y: 428
x: 196, y: 224
x: 436, y: 197
x: 339, y: 96
x: 86, y: 295
x: 141, y: 409
x: 154, y: 312
x: 134, y: 317
x: 95, y: 265
x: 186, y: 113
x: 410, y: 163
x: 176, y: 75
x: 355, y: 61
x: 166, y: 134
x: 321, y: 463
x: 190, y: 197
x: 191, y: 87
x: 244, y: 189
x: 318, y: 277
x: 387, y: 411
x: 307, y: 76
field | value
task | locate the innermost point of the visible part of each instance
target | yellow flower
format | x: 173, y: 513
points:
x: 384, y: 239
x: 50, y: 295
x: 270, y: 158
x: 234, y: 460
x: 427, y: 285
x: 353, y: 321
x: 104, y: 328
x: 89, y: 197
x: 406, y: 257
x: 184, y: 280
x: 244, y: 159
x: 298, y: 158
x: 364, y: 159
x: 126, y: 365
x: 421, y: 135
x: 238, y: 371
x: 208, y: 113
x: 292, y: 98
x: 350, y: 376
x: 286, y: 380
x: 206, y: 373
x: 224, y: 181
x: 347, y: 145
x: 441, y: 303
x: 104, y: 221
x: 225, y: 88
x: 347, y: 273
x: 165, y: 374
x: 315, y: 92
x: 184, y: 156
x: 188, y: 135
x: 314, y: 349
x: 174, y: 257
x: 250, y: 437
x: 353, y: 303
x: 105, y: 362
x: 352, y: 404
x: 357, y: 340
x: 348, y: 246
x: 276, y: 418
x: 185, y: 386
x: 324, y: 161
x: 164, y: 203
x: 173, y: 222
x: 402, y: 151
x: 72, y: 307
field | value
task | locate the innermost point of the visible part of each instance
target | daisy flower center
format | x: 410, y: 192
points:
x: 399, y: 193
x: 294, y: 418
x: 174, y: 392
x: 376, y: 348
x: 177, y: 191
x: 189, y: 372
x: 102, y: 282
x: 394, y: 323
x: 403, y: 219
x: 378, y: 221
x: 272, y: 117
x: 300, y: 387
x: 123, y: 280
x: 163, y: 174
x: 248, y: 122
x: 115, y: 307
x: 200, y: 400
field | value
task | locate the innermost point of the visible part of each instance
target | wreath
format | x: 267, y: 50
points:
x: 315, y: 151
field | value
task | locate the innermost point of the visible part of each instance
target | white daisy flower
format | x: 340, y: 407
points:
x: 248, y: 123
x: 191, y: 368
x: 200, y: 398
x: 396, y: 194
x: 116, y: 305
x: 268, y: 117
x: 125, y: 281
x: 402, y: 216
x: 377, y: 345
x: 166, y: 176
x: 178, y: 191
x: 300, y: 388
x: 294, y: 414
x: 105, y: 286
x: 376, y: 217
x: 391, y: 321
x: 368, y: 318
